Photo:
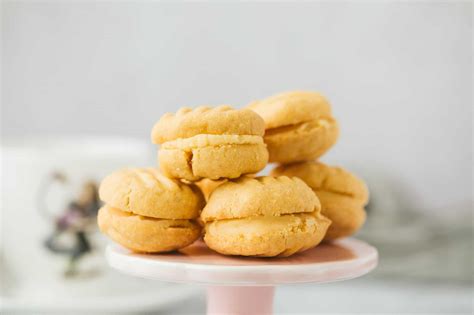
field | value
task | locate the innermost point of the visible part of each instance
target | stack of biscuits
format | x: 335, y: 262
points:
x: 148, y: 212
x: 300, y: 128
x: 206, y: 185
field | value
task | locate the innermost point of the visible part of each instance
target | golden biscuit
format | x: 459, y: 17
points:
x: 213, y: 143
x: 263, y: 216
x: 148, y: 193
x: 299, y: 126
x: 220, y: 120
x: 267, y: 236
x: 342, y: 195
x: 260, y: 196
x: 144, y: 234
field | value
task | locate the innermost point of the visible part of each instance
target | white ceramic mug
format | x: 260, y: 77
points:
x: 30, y: 211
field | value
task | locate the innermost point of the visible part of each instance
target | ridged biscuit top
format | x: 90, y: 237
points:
x: 321, y: 177
x: 260, y: 196
x: 220, y: 120
x: 291, y: 108
x: 148, y: 193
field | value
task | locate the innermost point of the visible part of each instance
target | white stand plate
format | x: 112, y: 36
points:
x: 244, y: 285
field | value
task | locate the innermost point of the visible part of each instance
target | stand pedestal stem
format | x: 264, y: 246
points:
x: 230, y: 300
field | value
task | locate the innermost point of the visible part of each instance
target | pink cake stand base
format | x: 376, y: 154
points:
x: 245, y: 285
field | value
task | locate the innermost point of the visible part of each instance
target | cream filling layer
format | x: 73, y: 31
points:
x: 206, y: 140
x: 120, y: 215
x: 258, y: 225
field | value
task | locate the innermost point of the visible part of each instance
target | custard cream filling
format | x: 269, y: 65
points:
x: 206, y: 140
x: 255, y: 225
x: 169, y: 223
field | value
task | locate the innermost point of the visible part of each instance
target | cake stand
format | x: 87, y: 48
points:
x: 244, y: 285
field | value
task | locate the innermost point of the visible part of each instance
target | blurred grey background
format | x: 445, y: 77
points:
x: 398, y: 74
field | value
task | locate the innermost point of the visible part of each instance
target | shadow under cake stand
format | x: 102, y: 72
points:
x: 245, y: 285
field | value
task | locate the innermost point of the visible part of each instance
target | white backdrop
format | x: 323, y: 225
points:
x: 398, y: 74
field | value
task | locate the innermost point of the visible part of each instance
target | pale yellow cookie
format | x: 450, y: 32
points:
x: 260, y: 196
x: 263, y: 216
x: 342, y: 195
x: 267, y: 236
x: 144, y: 234
x: 214, y: 162
x: 299, y: 126
x: 148, y: 193
x: 214, y: 143
x: 219, y: 120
